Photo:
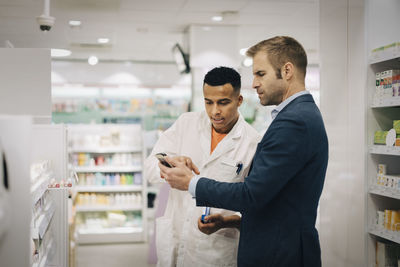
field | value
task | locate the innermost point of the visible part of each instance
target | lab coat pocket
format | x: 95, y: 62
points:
x: 165, y: 243
x: 229, y: 170
x: 218, y: 250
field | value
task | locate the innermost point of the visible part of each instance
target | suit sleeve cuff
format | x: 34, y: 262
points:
x: 193, y: 184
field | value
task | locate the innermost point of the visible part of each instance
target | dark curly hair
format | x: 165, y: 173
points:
x: 223, y: 75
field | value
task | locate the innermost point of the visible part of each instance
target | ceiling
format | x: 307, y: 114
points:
x: 146, y: 30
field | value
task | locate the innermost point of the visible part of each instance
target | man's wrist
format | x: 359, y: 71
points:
x: 192, y: 185
x: 188, y: 183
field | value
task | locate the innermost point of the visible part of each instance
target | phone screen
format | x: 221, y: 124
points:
x: 161, y: 158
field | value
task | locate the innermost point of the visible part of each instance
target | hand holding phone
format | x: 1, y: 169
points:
x: 161, y: 158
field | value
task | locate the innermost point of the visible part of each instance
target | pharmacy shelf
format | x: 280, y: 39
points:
x: 106, y: 150
x: 133, y: 145
x: 386, y: 56
x: 43, y: 222
x: 385, y: 150
x: 380, y: 113
x: 110, y: 235
x: 384, y: 191
x: 113, y: 169
x: 109, y: 188
x: 108, y: 208
x: 386, y: 234
x: 38, y: 189
x: 386, y: 102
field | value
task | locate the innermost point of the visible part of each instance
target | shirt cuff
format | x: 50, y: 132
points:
x: 193, y: 184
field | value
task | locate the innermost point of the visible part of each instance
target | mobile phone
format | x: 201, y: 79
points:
x: 161, y: 158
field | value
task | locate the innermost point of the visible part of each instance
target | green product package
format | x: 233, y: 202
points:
x: 380, y: 137
x: 396, y: 126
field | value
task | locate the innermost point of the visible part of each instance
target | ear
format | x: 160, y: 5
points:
x: 240, y: 100
x: 287, y: 71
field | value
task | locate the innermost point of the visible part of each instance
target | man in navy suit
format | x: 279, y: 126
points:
x: 279, y: 199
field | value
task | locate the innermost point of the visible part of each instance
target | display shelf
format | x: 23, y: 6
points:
x: 38, y: 189
x: 385, y: 150
x: 109, y: 188
x: 116, y: 169
x: 386, y: 234
x: 114, y: 141
x: 49, y: 228
x: 380, y: 115
x: 108, y: 208
x: 110, y: 235
x: 106, y: 150
x: 386, y: 192
x: 384, y: 57
x: 386, y: 102
x: 43, y: 222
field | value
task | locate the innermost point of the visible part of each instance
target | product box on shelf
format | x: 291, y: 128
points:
x: 387, y: 84
x: 380, y: 137
x: 396, y: 126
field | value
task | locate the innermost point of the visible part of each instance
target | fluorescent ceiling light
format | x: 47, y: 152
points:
x: 60, y: 52
x: 217, y: 18
x: 103, y: 40
x: 247, y: 62
x: 243, y: 51
x: 93, y: 60
x: 75, y: 23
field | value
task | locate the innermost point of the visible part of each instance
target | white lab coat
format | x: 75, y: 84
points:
x: 179, y: 241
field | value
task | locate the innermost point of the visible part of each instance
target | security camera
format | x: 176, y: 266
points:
x: 45, y: 22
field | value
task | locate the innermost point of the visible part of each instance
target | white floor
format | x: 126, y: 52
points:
x: 115, y: 255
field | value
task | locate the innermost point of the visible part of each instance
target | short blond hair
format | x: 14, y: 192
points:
x: 280, y: 50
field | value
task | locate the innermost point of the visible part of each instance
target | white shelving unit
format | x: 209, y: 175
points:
x: 386, y: 192
x: 110, y: 150
x: 113, y: 169
x: 109, y: 208
x: 111, y: 235
x: 109, y: 188
x: 385, y: 150
x: 49, y: 224
x: 380, y: 116
x: 88, y: 144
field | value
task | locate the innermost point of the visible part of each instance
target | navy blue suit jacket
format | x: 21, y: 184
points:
x: 279, y: 198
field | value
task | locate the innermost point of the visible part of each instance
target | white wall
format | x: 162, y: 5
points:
x: 343, y: 76
x: 118, y: 73
x: 383, y: 23
x: 209, y: 50
x: 25, y: 81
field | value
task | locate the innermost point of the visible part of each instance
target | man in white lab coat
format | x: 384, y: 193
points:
x: 222, y: 145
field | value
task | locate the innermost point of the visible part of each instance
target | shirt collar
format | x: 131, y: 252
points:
x: 278, y: 108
